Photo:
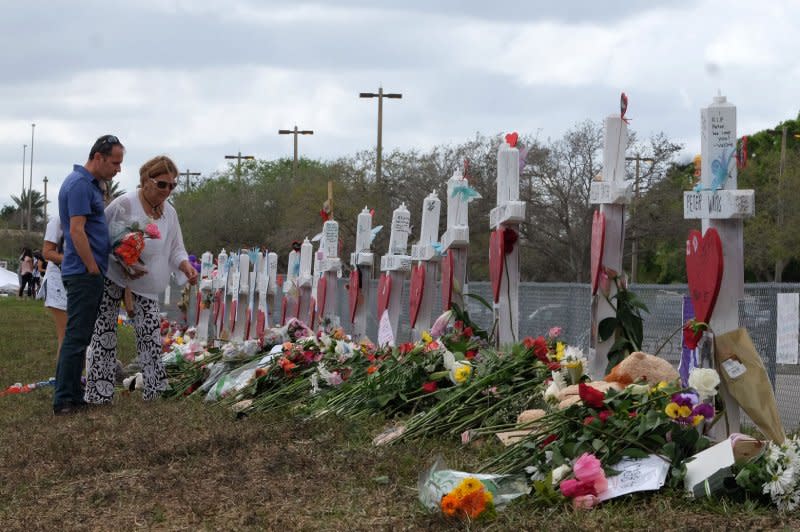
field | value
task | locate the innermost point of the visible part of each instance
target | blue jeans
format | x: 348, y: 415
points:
x: 83, y: 300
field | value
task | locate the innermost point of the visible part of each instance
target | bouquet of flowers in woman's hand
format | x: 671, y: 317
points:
x: 128, y: 246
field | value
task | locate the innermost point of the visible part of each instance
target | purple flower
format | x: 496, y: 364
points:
x: 703, y: 409
x: 685, y: 399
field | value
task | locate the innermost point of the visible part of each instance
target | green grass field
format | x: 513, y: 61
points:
x: 185, y: 465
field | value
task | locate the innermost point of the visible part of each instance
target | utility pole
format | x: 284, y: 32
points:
x: 239, y: 158
x: 635, y: 240
x: 380, y: 95
x: 21, y: 196
x: 45, y: 199
x: 295, y: 132
x: 30, y: 183
x: 780, y: 264
x: 188, y: 175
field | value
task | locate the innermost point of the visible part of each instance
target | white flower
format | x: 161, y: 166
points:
x: 781, y: 482
x: 572, y: 353
x: 560, y: 472
x: 551, y: 393
x: 704, y: 381
x: 638, y: 389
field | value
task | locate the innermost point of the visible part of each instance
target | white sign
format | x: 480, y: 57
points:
x: 645, y: 474
x: 719, y: 205
x: 788, y: 324
x: 385, y: 333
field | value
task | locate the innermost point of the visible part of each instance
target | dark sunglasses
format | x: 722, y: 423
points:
x: 163, y: 184
x: 109, y: 139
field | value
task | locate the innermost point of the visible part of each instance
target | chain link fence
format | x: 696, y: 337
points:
x: 567, y: 305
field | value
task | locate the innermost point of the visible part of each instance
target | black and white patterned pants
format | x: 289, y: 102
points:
x: 101, y: 357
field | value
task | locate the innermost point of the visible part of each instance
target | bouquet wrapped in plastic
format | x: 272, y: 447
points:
x: 467, y: 495
x: 129, y: 244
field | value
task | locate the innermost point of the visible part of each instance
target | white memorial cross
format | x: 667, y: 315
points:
x: 304, y: 280
x: 395, y: 265
x: 330, y: 269
x: 205, y: 296
x: 612, y: 194
x: 427, y: 258
x: 240, y: 300
x: 291, y: 293
x: 719, y: 204
x: 220, y: 285
x: 455, y: 242
x: 507, y: 216
x: 362, y: 261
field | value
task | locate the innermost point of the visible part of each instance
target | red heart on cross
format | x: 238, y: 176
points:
x: 704, y: 267
x: 261, y: 320
x: 512, y: 139
x: 322, y: 292
x: 417, y: 289
x: 352, y: 293
x: 447, y: 280
x: 598, y: 244
x: 497, y: 254
x: 384, y: 291
x: 284, y: 304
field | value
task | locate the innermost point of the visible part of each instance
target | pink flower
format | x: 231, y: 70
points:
x: 152, y: 231
x: 441, y: 323
x: 585, y: 502
x: 575, y: 488
x: 554, y: 332
x: 589, y: 469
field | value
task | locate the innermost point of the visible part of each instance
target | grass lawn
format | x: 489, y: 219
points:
x: 184, y: 465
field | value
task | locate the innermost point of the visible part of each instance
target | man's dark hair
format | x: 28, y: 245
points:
x: 104, y: 145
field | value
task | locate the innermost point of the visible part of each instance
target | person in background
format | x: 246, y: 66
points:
x: 55, y: 298
x: 38, y: 267
x: 86, y: 247
x: 160, y: 256
x: 26, y: 272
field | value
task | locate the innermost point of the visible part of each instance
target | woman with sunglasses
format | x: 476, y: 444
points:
x: 160, y: 256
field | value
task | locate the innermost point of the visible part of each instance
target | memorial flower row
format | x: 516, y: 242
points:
x: 568, y: 439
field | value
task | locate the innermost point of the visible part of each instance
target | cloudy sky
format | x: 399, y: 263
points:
x: 201, y: 79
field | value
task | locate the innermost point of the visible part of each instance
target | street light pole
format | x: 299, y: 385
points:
x: 380, y: 95
x: 30, y: 183
x: 295, y: 132
x: 188, y: 175
x: 22, y: 195
x: 635, y: 240
x: 239, y: 158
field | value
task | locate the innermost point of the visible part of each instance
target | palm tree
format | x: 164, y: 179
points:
x: 37, y: 207
x: 114, y: 191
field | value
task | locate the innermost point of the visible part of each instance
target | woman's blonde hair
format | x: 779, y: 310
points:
x: 159, y: 165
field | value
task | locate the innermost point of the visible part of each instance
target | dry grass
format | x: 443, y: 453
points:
x: 188, y: 466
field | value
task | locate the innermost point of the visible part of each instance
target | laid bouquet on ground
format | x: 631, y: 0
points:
x: 128, y: 245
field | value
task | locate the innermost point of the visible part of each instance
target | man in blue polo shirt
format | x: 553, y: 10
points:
x: 86, y: 249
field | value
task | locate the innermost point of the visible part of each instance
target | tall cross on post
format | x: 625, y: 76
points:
x: 295, y: 132
x: 330, y: 267
x: 239, y: 158
x: 720, y: 205
x: 380, y: 95
x: 188, y: 175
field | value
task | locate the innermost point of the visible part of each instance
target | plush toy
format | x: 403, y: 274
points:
x: 640, y: 366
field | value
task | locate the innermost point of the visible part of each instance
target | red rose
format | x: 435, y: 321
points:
x: 468, y: 332
x: 548, y: 440
x: 590, y: 396
x: 430, y: 387
x: 576, y: 488
x: 588, y: 419
x: 553, y: 366
x: 604, y: 415
x: 540, y: 349
x: 690, y: 338
x: 469, y: 355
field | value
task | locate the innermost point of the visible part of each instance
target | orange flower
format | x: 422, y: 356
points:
x: 287, y: 365
x: 474, y: 503
x: 450, y: 505
x: 371, y: 370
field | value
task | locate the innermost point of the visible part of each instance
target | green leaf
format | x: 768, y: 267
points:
x: 479, y: 299
x: 606, y: 328
x: 634, y: 452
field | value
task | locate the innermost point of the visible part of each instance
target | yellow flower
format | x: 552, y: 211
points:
x: 471, y: 484
x: 672, y: 410
x: 179, y: 340
x: 661, y: 385
x: 697, y: 420
x: 559, y: 351
x: 426, y: 337
x: 462, y: 373
x: 458, y: 492
x: 684, y: 411
x: 488, y: 497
